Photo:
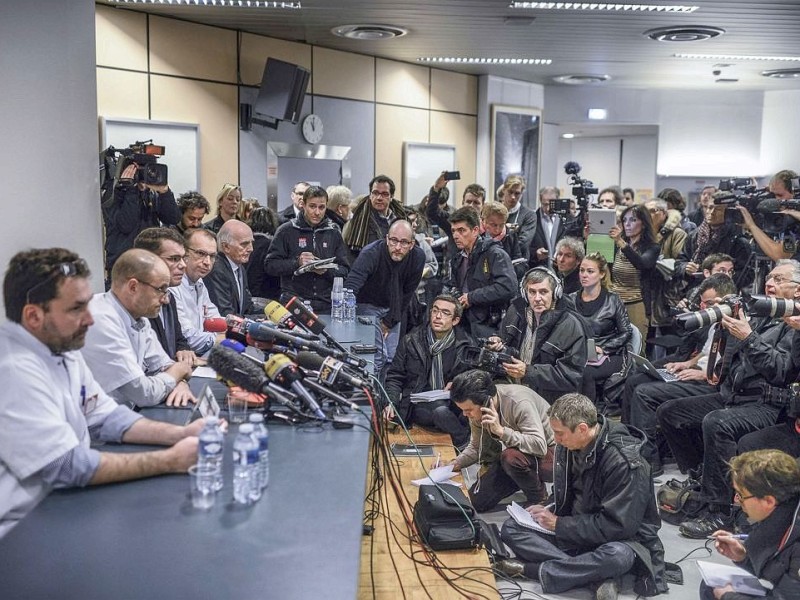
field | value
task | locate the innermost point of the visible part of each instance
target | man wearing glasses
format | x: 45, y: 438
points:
x: 384, y: 277
x: 122, y: 350
x: 373, y: 215
x: 51, y: 406
x: 296, y: 207
x: 167, y: 243
x: 427, y: 359
x: 757, y: 366
x: 191, y: 297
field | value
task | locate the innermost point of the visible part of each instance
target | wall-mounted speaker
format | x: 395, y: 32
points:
x: 283, y: 88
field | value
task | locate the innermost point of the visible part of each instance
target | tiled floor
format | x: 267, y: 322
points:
x: 676, y: 547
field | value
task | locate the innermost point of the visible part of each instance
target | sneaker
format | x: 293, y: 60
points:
x: 606, y: 590
x: 702, y: 527
x: 510, y: 567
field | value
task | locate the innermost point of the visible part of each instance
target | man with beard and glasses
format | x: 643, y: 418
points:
x: 51, y: 407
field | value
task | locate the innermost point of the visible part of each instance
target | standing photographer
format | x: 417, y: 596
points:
x: 136, y: 206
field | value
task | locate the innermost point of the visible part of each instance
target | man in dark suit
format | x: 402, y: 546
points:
x: 168, y: 244
x: 520, y: 218
x: 227, y: 282
x: 550, y: 228
x: 296, y: 207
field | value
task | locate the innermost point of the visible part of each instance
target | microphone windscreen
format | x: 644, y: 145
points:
x: 309, y: 360
x: 215, y: 325
x: 236, y: 369
x: 237, y: 347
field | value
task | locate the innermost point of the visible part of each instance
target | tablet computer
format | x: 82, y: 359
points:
x: 601, y: 220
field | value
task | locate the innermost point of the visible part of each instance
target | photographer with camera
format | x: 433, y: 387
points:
x: 781, y: 187
x: 427, y: 359
x: 750, y: 363
x: 141, y: 199
x: 515, y: 418
x: 549, y: 338
x: 549, y: 228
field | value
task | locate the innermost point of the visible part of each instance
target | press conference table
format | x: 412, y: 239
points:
x: 143, y: 539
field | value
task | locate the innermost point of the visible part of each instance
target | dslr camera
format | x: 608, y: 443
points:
x: 487, y: 360
x: 692, y: 321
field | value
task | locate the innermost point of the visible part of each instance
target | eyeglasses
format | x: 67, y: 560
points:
x: 174, y: 259
x: 739, y: 498
x: 780, y: 279
x: 377, y: 194
x: 402, y: 243
x: 162, y: 291
x: 65, y: 269
x: 438, y: 311
x: 202, y: 254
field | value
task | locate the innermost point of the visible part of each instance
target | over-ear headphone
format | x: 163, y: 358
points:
x: 555, y: 280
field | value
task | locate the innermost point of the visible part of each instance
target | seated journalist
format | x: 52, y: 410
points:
x: 51, y: 407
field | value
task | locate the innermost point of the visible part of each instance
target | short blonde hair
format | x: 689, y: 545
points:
x: 491, y: 207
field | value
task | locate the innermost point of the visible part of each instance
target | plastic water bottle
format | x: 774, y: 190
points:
x: 211, y: 444
x: 261, y: 434
x: 349, y: 306
x: 245, y: 466
x: 337, y: 300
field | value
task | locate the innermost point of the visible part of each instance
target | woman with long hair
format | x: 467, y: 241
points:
x: 635, y: 255
x: 228, y: 201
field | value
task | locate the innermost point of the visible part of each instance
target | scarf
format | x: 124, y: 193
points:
x: 437, y: 348
x: 529, y: 339
x: 706, y: 240
x: 357, y: 233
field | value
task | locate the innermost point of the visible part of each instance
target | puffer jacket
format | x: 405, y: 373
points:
x: 611, y: 327
x: 618, y: 505
x: 559, y: 351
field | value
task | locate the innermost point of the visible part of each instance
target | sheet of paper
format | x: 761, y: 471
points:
x: 204, y: 372
x: 437, y: 475
x: 430, y: 396
x: 524, y: 518
x: 719, y: 575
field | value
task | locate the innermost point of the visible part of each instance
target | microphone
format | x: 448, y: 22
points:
x: 264, y: 333
x: 281, y: 370
x: 247, y: 374
x: 276, y: 313
x: 237, y: 328
x: 330, y: 370
x: 572, y: 168
x: 311, y: 321
x: 321, y: 389
x: 215, y: 325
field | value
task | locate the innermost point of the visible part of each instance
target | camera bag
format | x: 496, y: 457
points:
x: 679, y: 501
x: 445, y: 518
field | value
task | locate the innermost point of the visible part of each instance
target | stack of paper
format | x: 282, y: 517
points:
x: 430, y: 396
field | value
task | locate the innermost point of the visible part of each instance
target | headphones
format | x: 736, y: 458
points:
x: 555, y: 280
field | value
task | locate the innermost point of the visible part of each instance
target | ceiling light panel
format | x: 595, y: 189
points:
x: 737, y: 57
x: 213, y: 3
x: 613, y: 6
x: 485, y: 61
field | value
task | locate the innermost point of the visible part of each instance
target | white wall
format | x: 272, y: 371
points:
x: 780, y: 131
x: 48, y: 116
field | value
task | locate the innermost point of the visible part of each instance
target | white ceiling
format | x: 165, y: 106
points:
x: 583, y: 42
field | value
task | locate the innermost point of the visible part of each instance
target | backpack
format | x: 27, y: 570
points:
x: 679, y: 501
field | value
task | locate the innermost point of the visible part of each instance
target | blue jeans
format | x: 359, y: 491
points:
x: 387, y: 346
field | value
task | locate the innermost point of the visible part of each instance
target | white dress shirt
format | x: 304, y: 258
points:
x: 194, y: 306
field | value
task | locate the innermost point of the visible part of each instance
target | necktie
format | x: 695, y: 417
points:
x: 169, y: 329
x: 240, y: 281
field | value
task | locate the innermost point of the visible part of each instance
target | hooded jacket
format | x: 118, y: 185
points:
x: 618, y: 503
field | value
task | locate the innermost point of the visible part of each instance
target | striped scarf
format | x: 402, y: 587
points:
x: 529, y: 340
x: 437, y: 348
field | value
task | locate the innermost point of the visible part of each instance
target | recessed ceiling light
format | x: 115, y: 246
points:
x: 669, y: 8
x: 726, y: 80
x: 567, y: 136
x: 575, y: 79
x: 737, y: 57
x: 597, y: 114
x: 214, y: 3
x: 369, y: 32
x: 485, y: 61
x: 684, y: 33
x: 782, y: 73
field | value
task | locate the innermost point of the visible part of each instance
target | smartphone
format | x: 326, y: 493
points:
x: 451, y: 175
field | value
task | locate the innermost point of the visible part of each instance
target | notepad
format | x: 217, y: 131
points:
x: 719, y: 575
x: 430, y: 396
x: 524, y: 518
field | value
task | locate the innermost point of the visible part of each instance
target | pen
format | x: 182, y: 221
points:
x: 733, y: 536
x: 438, y: 460
x: 83, y: 396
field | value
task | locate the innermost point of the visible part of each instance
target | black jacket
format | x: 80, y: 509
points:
x: 223, y: 289
x: 214, y: 224
x: 559, y: 352
x: 261, y: 284
x: 294, y: 238
x: 618, y: 503
x: 645, y: 262
x: 491, y: 284
x: 525, y: 223
x: 572, y: 282
x: 410, y: 369
x: 170, y: 344
x: 611, y: 327
x: 334, y: 218
x: 132, y: 211
x: 567, y: 226
x: 513, y: 247
x: 731, y: 242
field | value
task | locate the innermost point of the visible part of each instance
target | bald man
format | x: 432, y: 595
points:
x: 122, y: 350
x: 227, y: 282
x: 384, y: 277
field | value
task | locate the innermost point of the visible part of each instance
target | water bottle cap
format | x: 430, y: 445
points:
x: 211, y: 420
x: 245, y: 428
x: 256, y: 418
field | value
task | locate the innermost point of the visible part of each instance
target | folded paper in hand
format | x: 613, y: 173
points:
x: 524, y: 518
x: 430, y: 396
x: 323, y: 263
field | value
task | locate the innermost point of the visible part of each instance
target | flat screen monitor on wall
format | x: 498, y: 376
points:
x: 283, y: 88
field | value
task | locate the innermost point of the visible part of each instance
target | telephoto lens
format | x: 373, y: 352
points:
x: 764, y: 306
x: 695, y: 320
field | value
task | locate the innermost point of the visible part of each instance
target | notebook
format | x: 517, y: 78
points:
x: 524, y: 518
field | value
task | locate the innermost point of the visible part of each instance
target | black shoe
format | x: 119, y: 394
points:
x: 702, y: 527
x: 606, y: 590
x: 510, y: 567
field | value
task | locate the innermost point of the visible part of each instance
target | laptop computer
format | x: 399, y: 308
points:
x: 647, y: 367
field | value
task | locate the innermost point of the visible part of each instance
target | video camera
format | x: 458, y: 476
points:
x: 485, y: 359
x: 145, y: 155
x: 581, y: 189
x: 761, y: 204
